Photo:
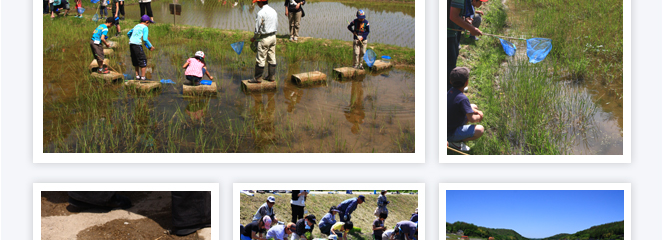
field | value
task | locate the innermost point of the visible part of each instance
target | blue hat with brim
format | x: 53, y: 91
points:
x: 361, y: 14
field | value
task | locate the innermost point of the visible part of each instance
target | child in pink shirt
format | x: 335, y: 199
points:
x: 195, y: 68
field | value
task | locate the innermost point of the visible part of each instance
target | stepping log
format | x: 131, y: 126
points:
x: 200, y: 90
x: 108, y: 77
x: 309, y: 78
x: 94, y: 66
x: 108, y: 51
x: 143, y: 85
x: 348, y: 72
x: 265, y: 86
x: 380, y: 65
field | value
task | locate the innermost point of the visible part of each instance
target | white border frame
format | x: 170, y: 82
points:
x: 420, y: 116
x: 624, y: 158
x: 37, y: 188
x: 626, y: 187
x: 238, y: 187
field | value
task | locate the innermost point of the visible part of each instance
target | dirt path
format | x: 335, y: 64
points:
x: 149, y: 218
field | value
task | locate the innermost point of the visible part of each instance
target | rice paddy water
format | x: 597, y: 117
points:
x: 323, y: 19
x: 370, y: 114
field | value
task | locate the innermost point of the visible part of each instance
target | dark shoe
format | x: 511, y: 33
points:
x: 257, y: 78
x: 271, y: 71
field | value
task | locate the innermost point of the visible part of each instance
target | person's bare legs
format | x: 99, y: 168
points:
x: 142, y: 74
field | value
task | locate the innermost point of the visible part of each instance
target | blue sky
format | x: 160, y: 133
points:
x: 536, y: 214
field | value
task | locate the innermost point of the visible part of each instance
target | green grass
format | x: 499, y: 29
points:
x: 527, y: 110
x: 400, y: 208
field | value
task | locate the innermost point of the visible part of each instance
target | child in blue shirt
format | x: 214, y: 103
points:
x: 360, y: 29
x: 98, y: 36
x: 137, y: 36
x: 460, y: 112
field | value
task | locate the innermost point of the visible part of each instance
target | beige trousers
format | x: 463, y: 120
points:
x: 266, y: 51
x: 294, y: 20
x: 360, y: 49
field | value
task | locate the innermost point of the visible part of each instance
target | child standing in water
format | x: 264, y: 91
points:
x: 195, y: 68
x: 360, y: 29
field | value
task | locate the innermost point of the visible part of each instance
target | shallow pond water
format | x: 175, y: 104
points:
x: 602, y: 132
x: 323, y: 19
x: 370, y: 114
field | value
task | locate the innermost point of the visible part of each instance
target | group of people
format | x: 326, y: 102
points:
x: 261, y: 227
x: 264, y: 40
x: 460, y: 112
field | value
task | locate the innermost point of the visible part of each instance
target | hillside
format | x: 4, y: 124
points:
x: 611, y: 231
x: 484, y: 232
x: 401, y: 208
x: 608, y: 231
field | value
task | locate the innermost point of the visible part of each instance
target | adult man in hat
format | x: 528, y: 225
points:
x: 266, y: 209
x: 265, y: 35
x: 348, y: 206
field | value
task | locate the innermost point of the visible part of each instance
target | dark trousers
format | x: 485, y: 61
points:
x: 297, y: 212
x: 47, y: 9
x: 146, y: 8
x: 452, y: 56
x: 192, y: 80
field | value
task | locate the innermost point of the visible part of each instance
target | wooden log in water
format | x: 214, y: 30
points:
x: 309, y: 78
x: 94, y: 66
x: 379, y: 65
x: 143, y: 85
x: 200, y: 90
x: 348, y: 72
x: 108, y: 77
x: 108, y: 51
x: 264, y: 86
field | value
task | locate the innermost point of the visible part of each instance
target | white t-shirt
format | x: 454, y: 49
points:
x: 266, y: 21
x: 387, y: 234
x: 300, y: 201
x: 277, y: 232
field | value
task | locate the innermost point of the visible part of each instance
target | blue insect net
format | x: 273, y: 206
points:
x: 81, y: 10
x: 369, y: 57
x: 94, y: 1
x: 509, y: 48
x: 238, y: 46
x: 538, y: 49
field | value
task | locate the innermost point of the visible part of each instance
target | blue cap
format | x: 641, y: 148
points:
x: 360, y: 14
x: 146, y: 18
x: 362, y: 197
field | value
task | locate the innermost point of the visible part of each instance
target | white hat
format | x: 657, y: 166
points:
x: 200, y: 54
x: 271, y: 199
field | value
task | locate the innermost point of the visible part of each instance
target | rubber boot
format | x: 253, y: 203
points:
x: 271, y: 71
x: 257, y: 78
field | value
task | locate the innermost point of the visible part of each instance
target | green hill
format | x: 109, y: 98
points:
x: 608, y: 231
x: 484, y: 232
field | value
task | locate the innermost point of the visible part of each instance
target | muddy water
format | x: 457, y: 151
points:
x: 603, y: 133
x: 323, y: 19
x: 367, y: 114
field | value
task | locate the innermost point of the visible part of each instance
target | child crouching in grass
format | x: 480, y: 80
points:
x: 195, y: 68
x: 341, y: 230
x: 460, y: 112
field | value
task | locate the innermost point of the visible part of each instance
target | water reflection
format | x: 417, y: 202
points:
x: 323, y: 19
x: 196, y: 108
x: 263, y: 118
x: 355, y: 112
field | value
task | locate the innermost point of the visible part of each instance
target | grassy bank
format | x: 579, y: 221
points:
x: 81, y: 115
x: 547, y: 107
x: 400, y: 208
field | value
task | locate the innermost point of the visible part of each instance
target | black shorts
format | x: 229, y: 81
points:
x: 138, y: 58
x: 192, y: 80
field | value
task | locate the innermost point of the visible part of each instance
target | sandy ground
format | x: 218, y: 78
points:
x: 149, y: 218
